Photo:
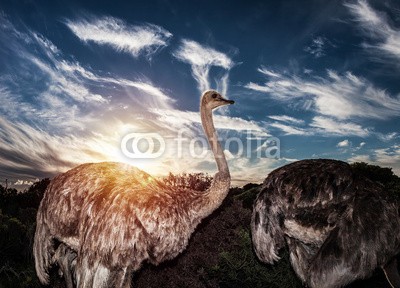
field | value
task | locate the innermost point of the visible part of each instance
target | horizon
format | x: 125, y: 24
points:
x: 80, y: 82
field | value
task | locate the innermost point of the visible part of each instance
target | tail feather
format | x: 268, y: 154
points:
x: 266, y: 229
x: 42, y: 248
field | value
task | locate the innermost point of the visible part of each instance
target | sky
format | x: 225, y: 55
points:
x: 92, y: 81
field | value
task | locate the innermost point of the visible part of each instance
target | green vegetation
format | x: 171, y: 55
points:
x: 239, y: 267
x: 219, y: 254
x: 17, y: 228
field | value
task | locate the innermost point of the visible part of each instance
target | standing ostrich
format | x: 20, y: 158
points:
x: 338, y: 226
x: 100, y: 222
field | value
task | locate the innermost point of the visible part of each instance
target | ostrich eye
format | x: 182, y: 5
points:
x: 214, y: 95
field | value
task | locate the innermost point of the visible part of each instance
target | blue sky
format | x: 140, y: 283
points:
x: 311, y: 79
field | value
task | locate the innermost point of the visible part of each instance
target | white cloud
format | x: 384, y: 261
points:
x: 141, y: 39
x: 20, y: 182
x: 323, y: 126
x: 344, y: 143
x: 202, y: 58
x: 287, y: 119
x: 74, y: 68
x: 195, y: 54
x: 66, y: 84
x: 268, y: 72
x: 257, y: 87
x: 330, y: 126
x: 376, y: 25
x: 339, y: 96
x: 291, y: 130
x: 359, y: 147
x: 388, y: 136
x: 160, y: 98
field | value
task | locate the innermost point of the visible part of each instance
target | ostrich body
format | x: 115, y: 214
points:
x: 338, y: 226
x: 100, y: 222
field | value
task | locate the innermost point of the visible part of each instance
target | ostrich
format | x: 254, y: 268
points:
x: 99, y: 222
x: 337, y: 225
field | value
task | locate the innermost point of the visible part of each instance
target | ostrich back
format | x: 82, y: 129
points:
x: 118, y: 215
x: 333, y: 220
x: 314, y: 194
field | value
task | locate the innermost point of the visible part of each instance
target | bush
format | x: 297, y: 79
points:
x: 16, y: 266
x: 194, y: 181
x: 240, y: 268
x: 17, y: 228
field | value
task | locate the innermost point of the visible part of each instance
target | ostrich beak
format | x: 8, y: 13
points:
x: 226, y: 101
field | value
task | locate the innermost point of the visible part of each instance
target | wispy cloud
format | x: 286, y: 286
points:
x: 162, y: 100
x: 268, y: 72
x: 318, y: 46
x: 329, y: 126
x: 140, y: 39
x: 341, y: 96
x: 66, y: 83
x: 291, y: 129
x: 388, y: 136
x: 289, y: 125
x: 322, y: 126
x: 376, y: 25
x: 288, y: 119
x: 202, y: 58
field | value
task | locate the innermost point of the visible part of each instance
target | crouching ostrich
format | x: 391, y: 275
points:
x: 337, y: 225
x: 100, y: 222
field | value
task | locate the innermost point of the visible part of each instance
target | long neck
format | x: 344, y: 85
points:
x: 209, y: 130
x: 211, y: 199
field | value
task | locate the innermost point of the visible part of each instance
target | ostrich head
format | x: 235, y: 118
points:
x: 212, y: 99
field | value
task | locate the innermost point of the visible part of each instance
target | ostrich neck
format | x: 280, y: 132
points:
x: 212, y: 137
x: 211, y: 199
